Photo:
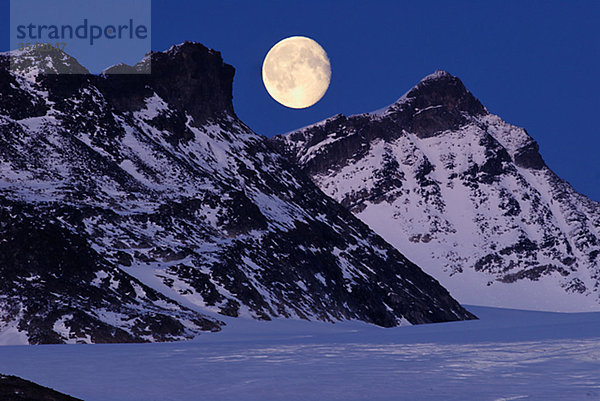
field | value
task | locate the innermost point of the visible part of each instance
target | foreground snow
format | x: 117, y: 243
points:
x: 507, y: 355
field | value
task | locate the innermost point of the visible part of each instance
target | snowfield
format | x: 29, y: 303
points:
x: 506, y: 355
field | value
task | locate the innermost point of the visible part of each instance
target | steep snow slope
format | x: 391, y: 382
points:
x: 461, y: 193
x: 154, y: 177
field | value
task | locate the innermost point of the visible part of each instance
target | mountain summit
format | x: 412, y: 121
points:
x: 138, y: 207
x: 463, y: 194
x: 439, y: 102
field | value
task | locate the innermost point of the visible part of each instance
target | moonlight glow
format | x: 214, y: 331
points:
x: 296, y: 72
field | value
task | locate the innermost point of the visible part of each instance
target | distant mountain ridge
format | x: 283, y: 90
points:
x: 138, y: 207
x: 463, y: 194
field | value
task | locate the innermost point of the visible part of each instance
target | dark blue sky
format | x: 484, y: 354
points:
x: 534, y: 63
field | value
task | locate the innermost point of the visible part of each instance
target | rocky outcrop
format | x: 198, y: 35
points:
x: 16, y: 389
x: 189, y: 77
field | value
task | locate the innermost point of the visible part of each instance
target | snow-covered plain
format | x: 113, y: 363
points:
x: 506, y: 355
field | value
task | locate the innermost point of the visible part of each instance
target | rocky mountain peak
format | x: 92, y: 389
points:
x: 443, y: 89
x: 189, y: 77
x: 438, y: 74
x: 33, y: 62
x: 439, y: 102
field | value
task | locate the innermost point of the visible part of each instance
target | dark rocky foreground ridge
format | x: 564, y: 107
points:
x: 139, y: 207
x: 13, y: 388
x: 462, y: 193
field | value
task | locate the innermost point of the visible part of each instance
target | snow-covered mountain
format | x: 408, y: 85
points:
x: 461, y: 193
x: 138, y: 207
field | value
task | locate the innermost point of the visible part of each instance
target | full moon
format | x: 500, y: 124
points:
x: 296, y: 72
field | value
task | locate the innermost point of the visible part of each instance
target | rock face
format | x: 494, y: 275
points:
x: 135, y: 207
x: 463, y: 194
x: 16, y: 389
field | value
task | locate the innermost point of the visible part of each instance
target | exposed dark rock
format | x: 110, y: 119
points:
x: 189, y: 77
x: 529, y: 157
x: 14, y: 388
x: 47, y: 272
